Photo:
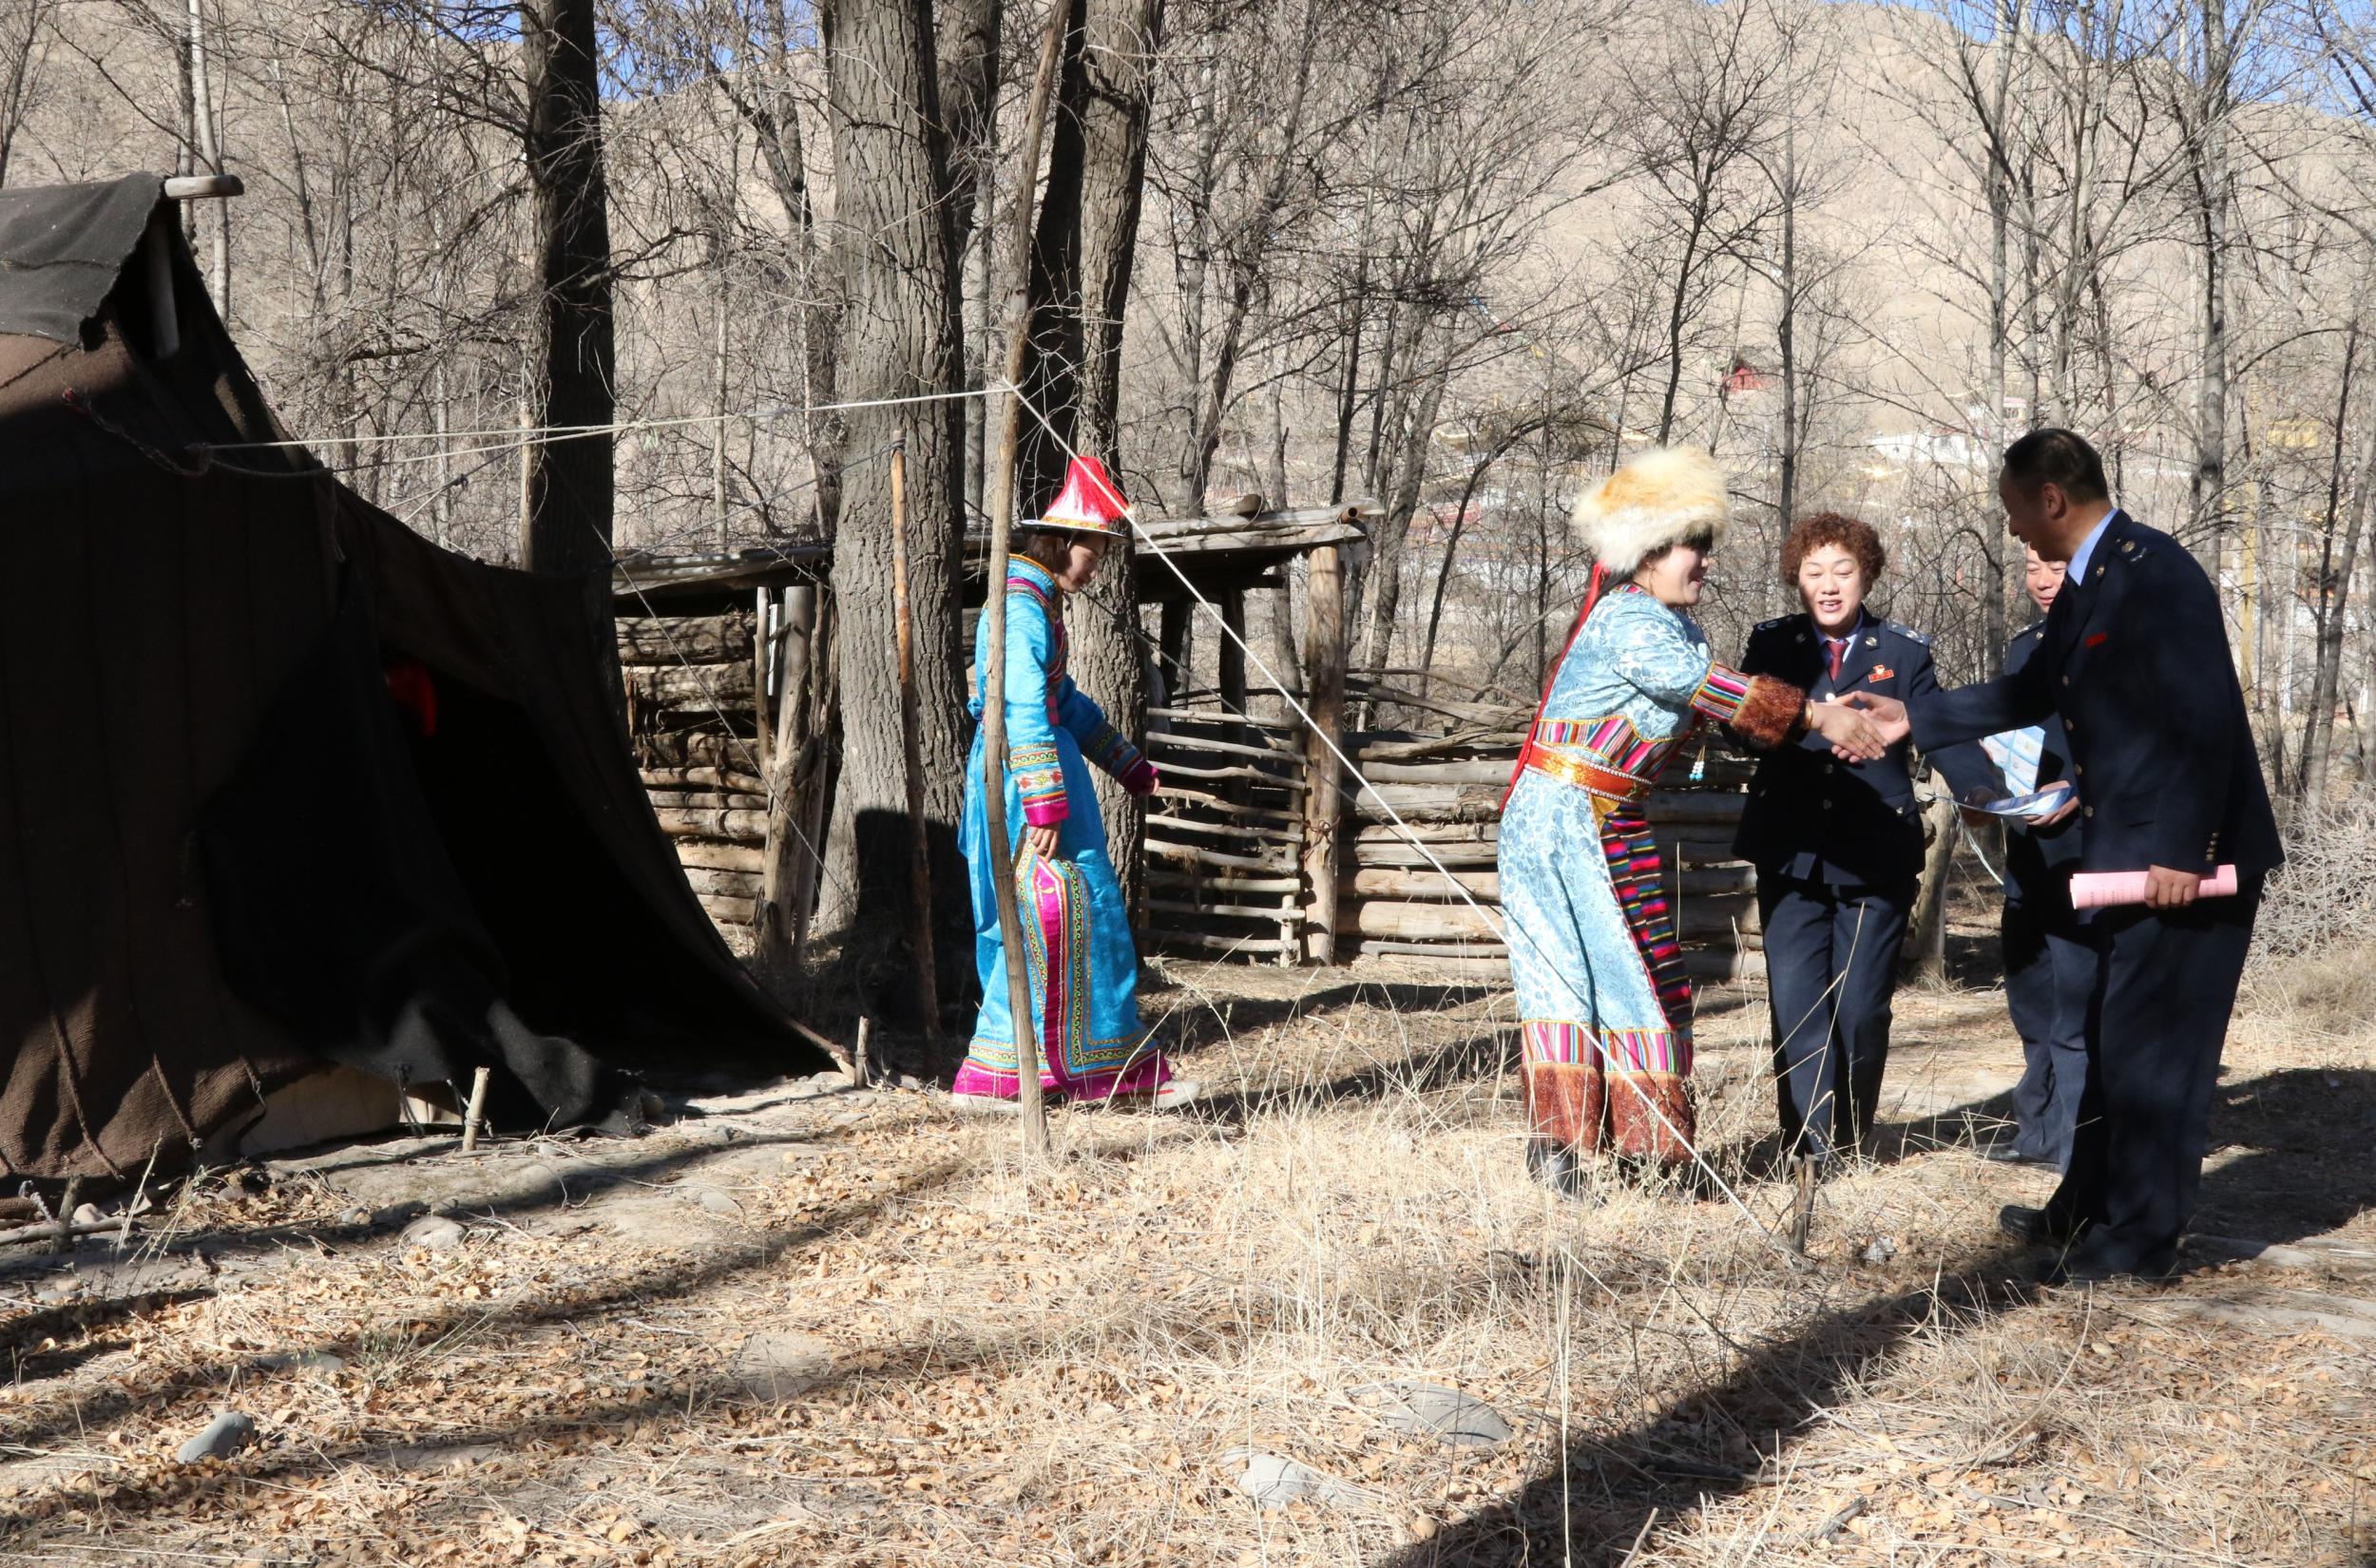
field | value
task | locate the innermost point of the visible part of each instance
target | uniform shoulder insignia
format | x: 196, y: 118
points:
x: 1907, y: 632
x: 1777, y: 621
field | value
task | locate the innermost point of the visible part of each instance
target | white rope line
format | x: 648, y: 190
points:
x: 520, y: 435
x: 1491, y: 918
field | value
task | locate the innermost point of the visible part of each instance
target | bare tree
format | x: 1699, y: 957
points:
x: 899, y: 339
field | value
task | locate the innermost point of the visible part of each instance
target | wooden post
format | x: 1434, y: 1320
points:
x: 1924, y: 958
x: 780, y: 870
x: 912, y: 743
x: 826, y: 685
x: 1033, y: 1112
x: 1323, y: 668
x: 1173, y: 639
x: 1233, y: 653
x: 762, y: 665
x: 473, y: 1118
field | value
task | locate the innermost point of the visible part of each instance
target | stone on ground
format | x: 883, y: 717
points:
x: 224, y: 1436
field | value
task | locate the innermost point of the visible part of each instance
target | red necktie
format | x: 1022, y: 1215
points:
x: 1835, y: 649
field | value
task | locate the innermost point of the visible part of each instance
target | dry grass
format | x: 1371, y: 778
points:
x: 1057, y: 1370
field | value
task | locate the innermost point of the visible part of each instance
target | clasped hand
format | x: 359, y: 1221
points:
x: 1855, y: 738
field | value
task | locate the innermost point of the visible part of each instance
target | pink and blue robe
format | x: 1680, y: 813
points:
x: 1076, y: 927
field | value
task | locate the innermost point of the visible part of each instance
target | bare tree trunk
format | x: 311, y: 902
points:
x: 2211, y: 415
x: 2331, y: 613
x: 898, y: 339
x: 206, y: 145
x: 968, y: 61
x: 566, y: 531
x: 1393, y: 529
x: 1245, y: 269
x: 23, y: 54
x: 1082, y: 251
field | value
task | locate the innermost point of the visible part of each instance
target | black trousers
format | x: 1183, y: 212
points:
x: 1831, y: 959
x: 2049, y: 978
x: 2166, y: 983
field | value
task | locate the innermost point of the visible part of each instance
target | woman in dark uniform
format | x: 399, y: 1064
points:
x: 1838, y: 846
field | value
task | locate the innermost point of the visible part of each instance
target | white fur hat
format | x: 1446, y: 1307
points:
x: 1654, y: 499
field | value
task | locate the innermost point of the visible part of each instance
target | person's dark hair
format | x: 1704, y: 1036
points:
x: 1818, y: 530
x: 1049, y: 549
x: 2062, y: 458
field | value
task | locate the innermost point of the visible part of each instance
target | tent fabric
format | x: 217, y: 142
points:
x: 61, y: 248
x: 227, y: 856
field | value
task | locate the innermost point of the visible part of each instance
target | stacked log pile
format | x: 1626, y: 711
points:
x: 1448, y: 791
x: 1225, y: 840
x: 691, y: 683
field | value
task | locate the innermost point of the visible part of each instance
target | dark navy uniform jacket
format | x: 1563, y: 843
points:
x: 2038, y: 861
x: 2135, y: 660
x: 1818, y: 819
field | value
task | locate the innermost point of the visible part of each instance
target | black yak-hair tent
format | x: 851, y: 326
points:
x: 282, y: 784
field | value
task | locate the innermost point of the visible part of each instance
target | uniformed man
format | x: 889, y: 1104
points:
x: 2048, y: 966
x: 2134, y: 659
x: 1838, y: 846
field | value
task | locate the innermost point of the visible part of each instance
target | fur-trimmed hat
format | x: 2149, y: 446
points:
x: 1654, y: 499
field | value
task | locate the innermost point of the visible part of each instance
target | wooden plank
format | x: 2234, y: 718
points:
x: 706, y: 800
x: 645, y: 639
x: 1245, y: 912
x: 730, y: 911
x: 1489, y: 957
x: 1252, y: 774
x: 1198, y: 800
x: 1161, y: 741
x: 709, y: 853
x: 1210, y: 942
x: 723, y: 884
x: 1392, y: 882
x: 1716, y: 965
x: 1409, y: 921
x: 1493, y: 771
x: 698, y: 688
x: 1701, y: 882
x: 1157, y: 877
x: 732, y: 779
x: 748, y: 826
x: 1192, y: 854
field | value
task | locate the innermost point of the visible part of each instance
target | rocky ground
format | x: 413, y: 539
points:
x: 1325, y: 1319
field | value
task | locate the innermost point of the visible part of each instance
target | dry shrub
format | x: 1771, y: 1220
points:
x: 2324, y: 898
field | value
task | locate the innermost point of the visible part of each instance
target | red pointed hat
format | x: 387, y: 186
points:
x: 1089, y: 503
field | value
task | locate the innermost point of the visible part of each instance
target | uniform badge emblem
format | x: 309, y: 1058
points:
x: 1880, y: 672
x: 2099, y: 639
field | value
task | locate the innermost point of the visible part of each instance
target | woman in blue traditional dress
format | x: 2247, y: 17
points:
x: 1604, y: 1007
x: 1076, y: 927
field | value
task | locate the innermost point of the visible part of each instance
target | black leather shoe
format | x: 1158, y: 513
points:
x: 2008, y: 1154
x: 2032, y: 1226
x: 2083, y: 1266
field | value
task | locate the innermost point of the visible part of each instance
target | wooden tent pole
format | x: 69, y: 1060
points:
x: 1001, y: 498
x: 1324, y: 672
x: 911, y: 742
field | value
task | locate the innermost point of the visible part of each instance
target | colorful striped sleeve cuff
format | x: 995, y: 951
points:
x: 1109, y: 751
x: 1761, y: 710
x: 1039, y: 775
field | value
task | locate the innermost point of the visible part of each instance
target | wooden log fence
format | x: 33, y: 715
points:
x: 1233, y: 872
x: 712, y: 697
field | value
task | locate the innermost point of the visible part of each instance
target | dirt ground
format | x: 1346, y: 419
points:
x: 809, y: 1326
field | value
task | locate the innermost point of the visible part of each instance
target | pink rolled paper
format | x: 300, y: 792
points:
x: 2103, y: 890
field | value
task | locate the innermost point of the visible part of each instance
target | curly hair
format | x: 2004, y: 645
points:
x: 1852, y: 534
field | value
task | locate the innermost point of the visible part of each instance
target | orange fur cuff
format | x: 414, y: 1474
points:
x: 1769, y: 712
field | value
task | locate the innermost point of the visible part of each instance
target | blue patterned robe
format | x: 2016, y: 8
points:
x: 1601, y: 994
x: 1084, y: 965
